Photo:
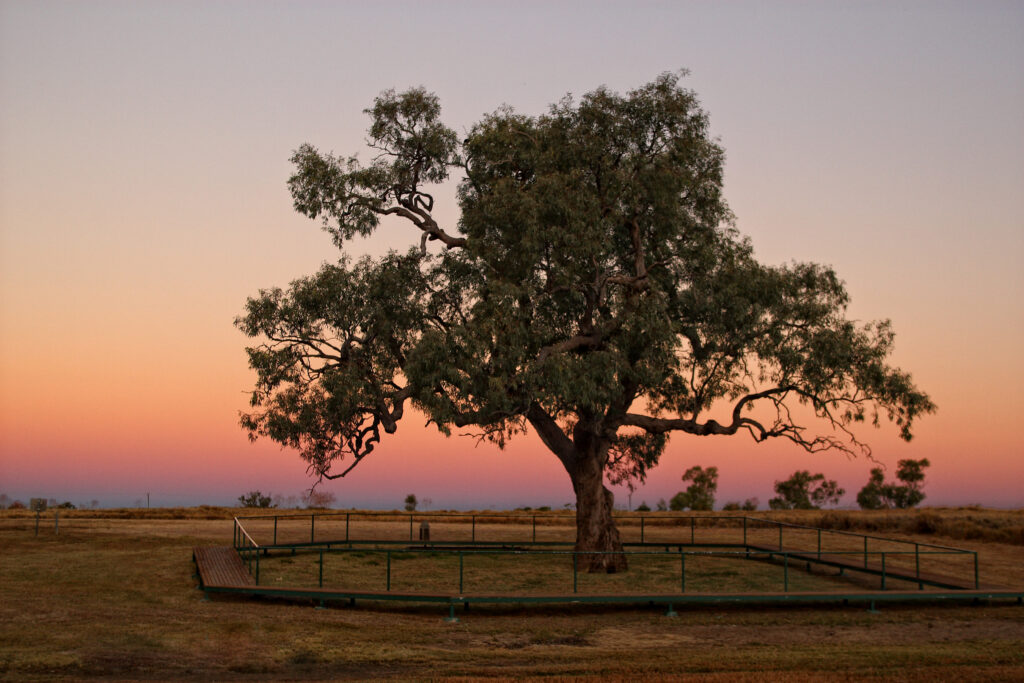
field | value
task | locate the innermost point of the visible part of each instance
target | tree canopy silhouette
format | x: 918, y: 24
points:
x: 594, y: 289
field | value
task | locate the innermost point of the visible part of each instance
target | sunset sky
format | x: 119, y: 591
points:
x: 143, y: 158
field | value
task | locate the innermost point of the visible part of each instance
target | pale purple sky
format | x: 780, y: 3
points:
x: 144, y: 151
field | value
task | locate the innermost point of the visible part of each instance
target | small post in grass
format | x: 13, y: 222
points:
x: 917, y: 565
x: 785, y: 572
x: 682, y: 572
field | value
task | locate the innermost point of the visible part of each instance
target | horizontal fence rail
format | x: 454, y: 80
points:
x: 467, y: 534
x: 787, y: 559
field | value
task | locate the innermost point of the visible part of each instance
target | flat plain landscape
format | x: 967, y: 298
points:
x: 112, y: 596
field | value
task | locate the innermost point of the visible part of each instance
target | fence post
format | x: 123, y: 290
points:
x: 917, y: 565
x: 275, y: 529
x: 535, y: 528
x: 693, y: 526
x: 312, y: 527
x: 682, y: 572
x: 346, y: 525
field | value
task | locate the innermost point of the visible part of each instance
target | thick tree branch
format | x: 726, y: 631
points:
x: 553, y: 436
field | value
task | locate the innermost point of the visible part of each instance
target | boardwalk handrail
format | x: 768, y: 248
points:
x: 569, y: 519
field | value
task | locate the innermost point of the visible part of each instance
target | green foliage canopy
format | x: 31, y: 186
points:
x: 877, y: 494
x: 805, y: 491
x: 594, y: 289
x: 700, y: 494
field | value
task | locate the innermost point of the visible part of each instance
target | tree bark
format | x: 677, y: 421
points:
x: 584, y: 458
x: 596, y: 532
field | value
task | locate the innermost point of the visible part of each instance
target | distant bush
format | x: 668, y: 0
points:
x: 318, y: 500
x: 700, y: 494
x: 643, y: 507
x: 805, y: 491
x: 255, y: 499
x: 878, y: 495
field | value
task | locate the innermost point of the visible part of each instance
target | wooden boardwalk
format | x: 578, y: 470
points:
x: 221, y: 566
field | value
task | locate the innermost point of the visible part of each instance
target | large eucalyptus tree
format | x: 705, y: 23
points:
x: 594, y: 290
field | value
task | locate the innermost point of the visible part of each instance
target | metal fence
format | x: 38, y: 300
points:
x: 470, y: 535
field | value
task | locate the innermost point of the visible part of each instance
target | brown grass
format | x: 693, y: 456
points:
x: 115, y: 598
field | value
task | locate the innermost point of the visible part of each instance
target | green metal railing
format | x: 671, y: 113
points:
x: 739, y: 531
x: 252, y: 556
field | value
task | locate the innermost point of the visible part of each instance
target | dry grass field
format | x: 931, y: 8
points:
x: 112, y: 596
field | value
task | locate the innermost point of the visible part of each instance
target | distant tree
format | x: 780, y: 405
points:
x: 16, y: 505
x: 255, y: 499
x: 66, y: 505
x: 318, y: 500
x: 700, y: 494
x: 94, y: 503
x: 731, y: 506
x: 877, y: 494
x: 804, y: 491
x: 662, y: 506
x: 643, y: 507
x: 410, y: 503
x: 750, y: 504
x: 593, y: 289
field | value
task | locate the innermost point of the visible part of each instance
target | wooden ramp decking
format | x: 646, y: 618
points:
x: 221, y: 566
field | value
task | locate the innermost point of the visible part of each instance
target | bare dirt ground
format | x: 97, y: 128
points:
x: 116, y: 599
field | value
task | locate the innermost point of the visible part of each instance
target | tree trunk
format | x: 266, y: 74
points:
x: 595, y: 527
